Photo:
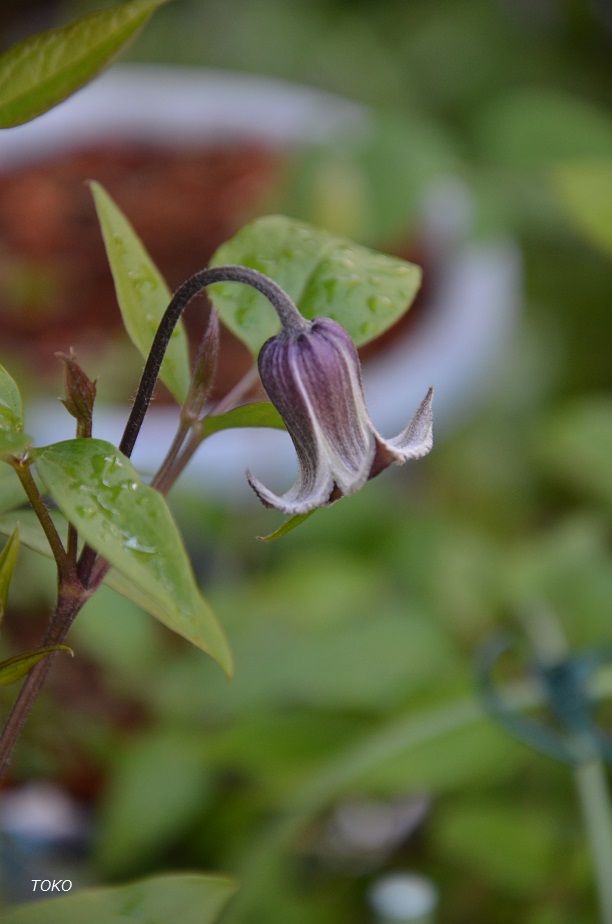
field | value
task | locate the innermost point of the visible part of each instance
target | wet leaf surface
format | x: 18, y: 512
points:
x: 327, y: 276
x: 45, y: 68
x: 99, y: 491
x: 142, y: 293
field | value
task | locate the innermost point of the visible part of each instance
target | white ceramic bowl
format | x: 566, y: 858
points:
x: 471, y: 313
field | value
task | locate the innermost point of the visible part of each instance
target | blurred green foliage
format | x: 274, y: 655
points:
x: 361, y: 626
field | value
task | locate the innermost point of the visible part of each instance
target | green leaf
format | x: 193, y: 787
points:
x: 474, y: 756
x: 488, y: 839
x: 363, y: 290
x: 349, y: 186
x: 99, y: 491
x: 8, y: 560
x: 13, y: 443
x: 157, y: 785
x: 576, y: 445
x: 142, y: 293
x: 536, y: 128
x: 287, y: 526
x: 122, y: 639
x: 33, y: 537
x: 11, y: 490
x: 44, y: 69
x: 15, y: 668
x: 585, y: 189
x: 312, y: 655
x: 185, y: 897
x: 31, y: 533
x: 11, y: 411
x: 259, y: 414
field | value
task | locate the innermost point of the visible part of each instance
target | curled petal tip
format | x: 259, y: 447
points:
x: 416, y: 440
x: 295, y: 501
x: 260, y: 490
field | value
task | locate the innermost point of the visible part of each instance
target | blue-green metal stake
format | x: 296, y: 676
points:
x: 581, y: 743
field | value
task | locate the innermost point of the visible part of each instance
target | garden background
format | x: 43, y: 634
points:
x: 351, y: 742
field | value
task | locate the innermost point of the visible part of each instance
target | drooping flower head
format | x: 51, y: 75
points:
x: 312, y: 375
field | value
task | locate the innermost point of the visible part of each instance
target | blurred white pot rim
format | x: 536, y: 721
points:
x: 471, y: 312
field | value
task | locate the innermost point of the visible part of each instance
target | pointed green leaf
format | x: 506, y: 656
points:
x: 12, y: 438
x: 142, y: 293
x: 15, y: 668
x: 186, y: 897
x: 259, y: 414
x: 98, y: 490
x: 8, y: 560
x: 328, y: 276
x: 575, y: 445
x: 287, y: 526
x: 465, y: 834
x: 33, y: 537
x: 11, y: 411
x: 44, y: 69
x: 585, y: 189
x: 533, y: 127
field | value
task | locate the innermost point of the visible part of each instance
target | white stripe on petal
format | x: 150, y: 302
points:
x: 298, y: 499
x: 314, y: 381
x: 345, y: 435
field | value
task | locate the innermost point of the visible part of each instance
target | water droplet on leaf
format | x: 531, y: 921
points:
x: 379, y: 303
x: 135, y: 545
x: 85, y: 511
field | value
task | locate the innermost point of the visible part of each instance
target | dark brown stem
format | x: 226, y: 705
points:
x: 287, y: 312
x: 24, y: 474
x: 98, y: 573
x: 71, y: 597
x: 278, y: 298
x: 71, y: 546
x: 70, y: 600
x: 83, y: 431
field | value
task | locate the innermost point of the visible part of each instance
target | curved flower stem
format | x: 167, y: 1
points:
x: 278, y: 298
x: 290, y: 318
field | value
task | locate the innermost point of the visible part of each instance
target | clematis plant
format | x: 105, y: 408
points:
x: 299, y: 298
x: 119, y: 529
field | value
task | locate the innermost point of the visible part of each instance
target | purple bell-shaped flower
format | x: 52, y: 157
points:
x: 312, y: 374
